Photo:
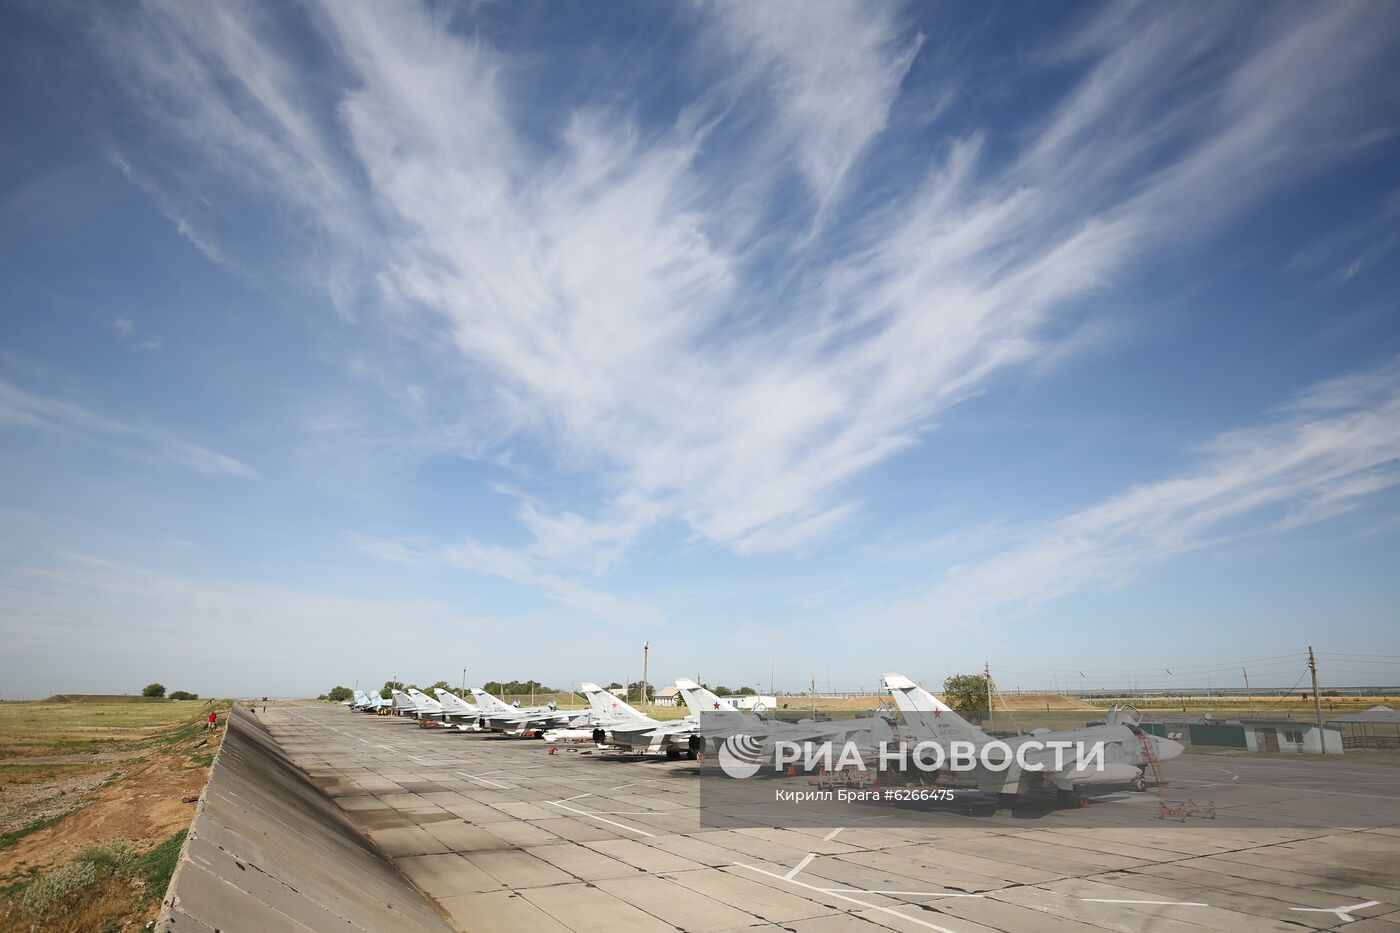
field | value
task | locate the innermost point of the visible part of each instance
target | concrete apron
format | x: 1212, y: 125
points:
x: 269, y: 851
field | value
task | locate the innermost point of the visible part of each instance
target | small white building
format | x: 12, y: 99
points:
x: 759, y: 702
x: 667, y: 696
x: 1290, y: 735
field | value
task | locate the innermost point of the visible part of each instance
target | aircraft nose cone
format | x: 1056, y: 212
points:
x: 1167, y: 749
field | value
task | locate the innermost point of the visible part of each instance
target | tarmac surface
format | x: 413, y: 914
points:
x: 268, y: 851
x: 504, y: 836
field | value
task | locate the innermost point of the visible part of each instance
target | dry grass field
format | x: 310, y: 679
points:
x: 93, y: 806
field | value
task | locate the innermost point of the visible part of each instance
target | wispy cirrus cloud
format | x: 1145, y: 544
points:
x: 515, y: 566
x: 650, y: 317
x: 828, y: 73
x: 1329, y: 452
x: 126, y: 330
x: 21, y: 408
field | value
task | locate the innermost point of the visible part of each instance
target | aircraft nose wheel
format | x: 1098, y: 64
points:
x: 1139, y: 783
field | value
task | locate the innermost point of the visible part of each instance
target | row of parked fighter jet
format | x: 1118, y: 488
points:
x: 610, y: 722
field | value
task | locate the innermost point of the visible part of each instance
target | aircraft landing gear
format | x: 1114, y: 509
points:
x: 673, y: 754
x: 1140, y: 782
x: 1067, y: 798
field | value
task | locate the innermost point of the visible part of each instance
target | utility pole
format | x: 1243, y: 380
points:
x: 1249, y: 697
x: 646, y: 647
x: 987, y: 672
x: 1317, y: 701
x: 464, y: 681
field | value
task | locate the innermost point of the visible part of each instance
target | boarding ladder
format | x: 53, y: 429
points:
x: 1150, y: 753
x: 1128, y: 715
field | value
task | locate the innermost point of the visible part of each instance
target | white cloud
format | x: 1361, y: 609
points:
x: 517, y: 567
x: 1329, y: 453
x: 606, y: 284
x: 831, y: 71
x: 167, y: 206
x: 126, y: 330
x: 22, y: 408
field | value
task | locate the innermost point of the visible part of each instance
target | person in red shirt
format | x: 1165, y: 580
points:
x: 213, y: 720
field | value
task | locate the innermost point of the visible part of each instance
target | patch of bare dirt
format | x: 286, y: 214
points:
x: 22, y: 804
x: 145, y: 801
x: 84, y: 758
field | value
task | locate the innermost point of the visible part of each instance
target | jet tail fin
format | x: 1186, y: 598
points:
x: 925, y: 712
x: 452, y: 703
x: 607, y: 706
x: 490, y: 703
x: 699, y: 699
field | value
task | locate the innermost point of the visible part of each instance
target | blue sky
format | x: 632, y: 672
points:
x: 344, y: 340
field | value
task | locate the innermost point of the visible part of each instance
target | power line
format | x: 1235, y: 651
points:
x: 1178, y: 669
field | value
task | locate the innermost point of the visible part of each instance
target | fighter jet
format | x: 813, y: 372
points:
x: 406, y: 705
x: 368, y: 702
x: 427, y: 707
x: 516, y: 720
x: 458, y: 711
x: 1128, y: 751
x: 718, y: 721
x: 617, y: 724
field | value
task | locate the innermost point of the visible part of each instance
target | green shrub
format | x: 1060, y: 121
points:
x: 116, y: 858
x: 183, y: 695
x: 153, y: 690
x: 156, y: 866
x: 40, y: 896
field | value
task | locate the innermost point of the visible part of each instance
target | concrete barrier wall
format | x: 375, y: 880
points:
x: 269, y: 852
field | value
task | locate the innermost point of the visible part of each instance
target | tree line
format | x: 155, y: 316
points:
x: 157, y: 691
x: 963, y: 692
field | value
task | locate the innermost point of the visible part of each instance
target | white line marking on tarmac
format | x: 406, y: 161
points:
x: 905, y: 893
x: 846, y: 897
x: 807, y: 860
x: 593, y: 816
x: 1343, y: 912
x: 1112, y: 900
x: 832, y: 835
x: 482, y: 780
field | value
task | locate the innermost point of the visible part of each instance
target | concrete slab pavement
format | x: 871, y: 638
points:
x: 583, y: 842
